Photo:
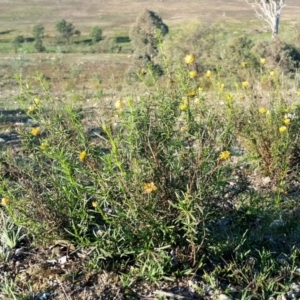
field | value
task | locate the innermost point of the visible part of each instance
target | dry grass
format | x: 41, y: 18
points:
x: 115, y: 15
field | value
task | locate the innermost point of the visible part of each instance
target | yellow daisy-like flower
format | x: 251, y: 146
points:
x: 82, y: 155
x: 35, y: 131
x: 189, y: 58
x: 44, y: 145
x: 287, y: 121
x: 262, y: 110
x: 244, y: 64
x: 185, y: 100
x: 245, y: 84
x: 94, y: 203
x: 4, y: 201
x: 184, y: 128
x: 31, y: 108
x: 208, y: 74
x: 193, y: 74
x: 229, y: 97
x: 224, y: 155
x: 272, y: 73
x: 192, y: 94
x: 200, y: 90
x: 183, y: 106
x: 263, y: 61
x: 221, y: 87
x: 37, y: 101
x: 119, y: 104
x: 149, y: 187
x: 282, y: 129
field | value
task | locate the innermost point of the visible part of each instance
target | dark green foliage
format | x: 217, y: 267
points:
x: 238, y: 50
x: 96, y: 34
x: 38, y: 33
x: 145, y: 36
x: 278, y: 54
x: 17, y: 41
x: 143, y: 67
x: 144, y: 33
x: 38, y: 45
x: 66, y: 29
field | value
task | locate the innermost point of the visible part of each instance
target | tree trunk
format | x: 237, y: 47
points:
x: 276, y: 23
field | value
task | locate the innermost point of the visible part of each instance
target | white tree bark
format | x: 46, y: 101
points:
x: 269, y: 11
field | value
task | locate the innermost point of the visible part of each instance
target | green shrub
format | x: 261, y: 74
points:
x: 278, y: 54
x: 237, y: 55
x: 149, y: 183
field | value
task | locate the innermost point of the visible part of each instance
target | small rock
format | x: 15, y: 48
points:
x: 294, y: 286
x: 62, y: 260
x: 42, y: 296
x: 266, y: 180
x: 19, y: 124
x: 19, y: 252
x: 2, y: 140
x: 276, y: 223
x: 223, y: 297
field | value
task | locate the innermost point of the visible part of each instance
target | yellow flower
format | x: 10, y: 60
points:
x: 119, y: 104
x: 193, y: 74
x: 282, y: 129
x: 82, y: 155
x: 31, y: 108
x: 35, y: 131
x: 224, y: 155
x: 184, y: 128
x: 287, y: 121
x: 183, y: 106
x: 208, y: 74
x: 200, y: 90
x: 185, y: 100
x: 222, y: 86
x: 272, y: 73
x: 263, y: 61
x: 192, y: 94
x: 149, y: 187
x: 37, y: 101
x: 229, y: 97
x: 262, y: 110
x: 189, y: 58
x: 298, y: 93
x: 4, y: 201
x: 244, y: 64
x: 245, y: 84
x: 44, y: 145
x: 94, y: 203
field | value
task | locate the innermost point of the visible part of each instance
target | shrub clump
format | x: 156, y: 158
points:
x: 278, y: 54
x: 145, y: 36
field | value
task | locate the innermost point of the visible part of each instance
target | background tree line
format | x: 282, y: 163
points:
x: 65, y: 32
